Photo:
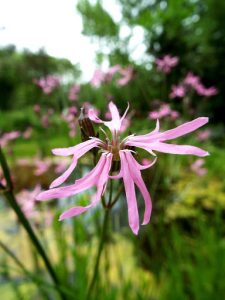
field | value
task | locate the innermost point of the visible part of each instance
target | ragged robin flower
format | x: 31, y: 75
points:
x: 119, y: 150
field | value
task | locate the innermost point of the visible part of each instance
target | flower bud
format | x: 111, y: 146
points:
x: 86, y: 126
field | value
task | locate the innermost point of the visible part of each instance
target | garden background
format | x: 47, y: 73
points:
x: 178, y: 76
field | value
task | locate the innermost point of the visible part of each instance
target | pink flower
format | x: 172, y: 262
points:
x: 48, y: 83
x: 9, y: 136
x: 27, y: 133
x: 26, y: 200
x: 130, y: 170
x: 125, y: 122
x: 45, y: 121
x: 207, y: 92
x: 164, y: 111
x: 204, y: 135
x: 146, y: 161
x: 41, y: 167
x: 60, y: 167
x: 22, y: 162
x: 127, y: 75
x: 112, y: 71
x: 191, y: 80
x: 37, y: 108
x: 88, y: 106
x: 178, y: 91
x: 98, y: 78
x: 154, y: 115
x: 174, y: 114
x: 3, y: 182
x: 73, y: 92
x: 166, y: 63
x: 197, y: 167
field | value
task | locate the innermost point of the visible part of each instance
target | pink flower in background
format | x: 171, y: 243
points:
x: 9, y: 136
x: 88, y: 106
x: 127, y: 75
x: 47, y: 84
x: 41, y: 167
x: 73, y: 92
x: 191, y: 80
x: 61, y: 166
x: 174, y: 115
x: 166, y: 63
x: 204, y: 135
x: 125, y: 124
x: 146, y: 161
x: 130, y: 170
x: 37, y: 108
x: 207, y: 92
x: 22, y: 162
x: 197, y: 167
x: 177, y: 91
x: 111, y: 72
x: 26, y: 200
x: 154, y: 115
x: 45, y: 121
x: 28, y: 132
x: 98, y: 78
x: 164, y: 111
x: 3, y: 182
x: 195, y: 82
x: 73, y: 131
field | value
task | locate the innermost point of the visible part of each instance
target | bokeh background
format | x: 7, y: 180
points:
x: 166, y: 58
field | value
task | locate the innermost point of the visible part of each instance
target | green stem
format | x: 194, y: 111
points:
x: 102, y: 240
x: 112, y: 203
x: 100, y: 248
x: 8, y: 192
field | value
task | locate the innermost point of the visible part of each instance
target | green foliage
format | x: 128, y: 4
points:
x: 96, y: 21
x: 191, y: 30
x: 17, y: 71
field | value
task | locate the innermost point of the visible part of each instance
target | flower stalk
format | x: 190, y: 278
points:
x: 100, y: 248
x: 103, y: 237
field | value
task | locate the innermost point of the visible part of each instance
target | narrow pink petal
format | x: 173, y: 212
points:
x: 157, y: 127
x: 93, y: 175
x: 183, y: 129
x: 136, y: 175
x: 61, y: 192
x: 78, y: 150
x: 114, y: 112
x: 119, y: 175
x: 143, y: 167
x: 74, y: 211
x: 80, y: 185
x: 125, y: 113
x: 62, y: 178
x: 149, y: 137
x: 102, y: 180
x: 177, y: 149
x: 133, y: 216
x: 93, y: 117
